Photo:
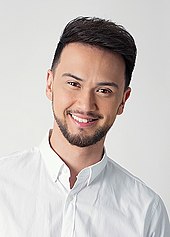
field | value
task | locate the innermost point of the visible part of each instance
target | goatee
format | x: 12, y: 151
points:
x: 81, y: 140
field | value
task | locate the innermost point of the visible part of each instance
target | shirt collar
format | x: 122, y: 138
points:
x: 52, y: 161
x: 55, y: 164
x: 91, y: 172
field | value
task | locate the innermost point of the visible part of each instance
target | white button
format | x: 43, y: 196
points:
x: 70, y: 198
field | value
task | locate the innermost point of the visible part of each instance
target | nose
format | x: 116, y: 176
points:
x: 86, y: 101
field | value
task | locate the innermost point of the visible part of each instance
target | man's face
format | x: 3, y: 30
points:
x: 87, y: 93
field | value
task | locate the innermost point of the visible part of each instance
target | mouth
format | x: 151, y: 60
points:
x: 81, y: 120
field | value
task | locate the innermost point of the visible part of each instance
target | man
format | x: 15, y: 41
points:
x: 68, y: 186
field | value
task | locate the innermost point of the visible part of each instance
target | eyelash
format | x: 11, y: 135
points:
x: 73, y: 84
x: 104, y: 91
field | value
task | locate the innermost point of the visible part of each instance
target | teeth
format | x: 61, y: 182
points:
x: 80, y: 120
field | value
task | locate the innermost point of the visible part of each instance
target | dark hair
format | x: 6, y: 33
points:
x: 103, y: 34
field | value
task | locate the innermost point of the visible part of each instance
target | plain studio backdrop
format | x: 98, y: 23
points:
x: 29, y: 32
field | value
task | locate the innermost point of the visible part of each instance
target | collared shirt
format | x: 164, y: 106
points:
x: 105, y: 201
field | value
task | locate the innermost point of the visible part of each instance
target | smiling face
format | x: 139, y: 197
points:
x: 87, y: 89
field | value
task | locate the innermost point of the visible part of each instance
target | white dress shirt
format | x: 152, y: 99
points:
x: 106, y: 200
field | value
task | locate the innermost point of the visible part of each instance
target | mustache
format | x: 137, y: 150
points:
x: 88, y: 113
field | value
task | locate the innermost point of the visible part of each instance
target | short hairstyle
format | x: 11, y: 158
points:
x: 103, y: 34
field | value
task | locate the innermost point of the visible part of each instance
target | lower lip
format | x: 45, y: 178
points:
x: 83, y: 125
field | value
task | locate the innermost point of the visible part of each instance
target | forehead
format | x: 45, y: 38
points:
x: 75, y: 49
x: 90, y: 62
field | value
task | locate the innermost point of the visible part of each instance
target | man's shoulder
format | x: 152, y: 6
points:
x: 123, y: 172
x: 19, y: 158
x: 129, y: 183
x: 135, y: 198
x: 20, y: 170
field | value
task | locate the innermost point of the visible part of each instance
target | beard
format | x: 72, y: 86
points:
x: 81, y: 140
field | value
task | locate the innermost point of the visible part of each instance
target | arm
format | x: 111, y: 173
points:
x: 158, y: 225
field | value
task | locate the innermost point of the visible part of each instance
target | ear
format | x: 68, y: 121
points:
x: 49, y: 84
x: 125, y: 97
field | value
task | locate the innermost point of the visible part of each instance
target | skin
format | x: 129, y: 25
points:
x: 89, y: 82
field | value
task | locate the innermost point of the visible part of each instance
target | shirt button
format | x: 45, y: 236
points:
x: 70, y: 198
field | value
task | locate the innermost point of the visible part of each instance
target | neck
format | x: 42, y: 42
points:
x: 76, y: 158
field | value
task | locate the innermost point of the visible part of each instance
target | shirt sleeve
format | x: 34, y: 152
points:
x: 159, y: 222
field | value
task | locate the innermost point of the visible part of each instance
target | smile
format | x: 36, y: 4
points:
x: 82, y: 120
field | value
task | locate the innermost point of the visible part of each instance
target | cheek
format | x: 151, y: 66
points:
x: 110, y: 109
x: 61, y: 100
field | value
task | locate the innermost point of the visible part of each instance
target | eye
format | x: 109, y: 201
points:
x: 106, y: 91
x: 73, y: 84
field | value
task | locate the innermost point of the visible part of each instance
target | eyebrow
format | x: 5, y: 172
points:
x: 113, y: 84
x: 71, y: 75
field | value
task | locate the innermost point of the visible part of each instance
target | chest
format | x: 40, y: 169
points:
x: 52, y: 212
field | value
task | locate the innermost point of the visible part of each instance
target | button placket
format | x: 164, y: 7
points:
x: 69, y: 215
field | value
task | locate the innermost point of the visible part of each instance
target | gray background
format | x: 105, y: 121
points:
x: 29, y: 31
